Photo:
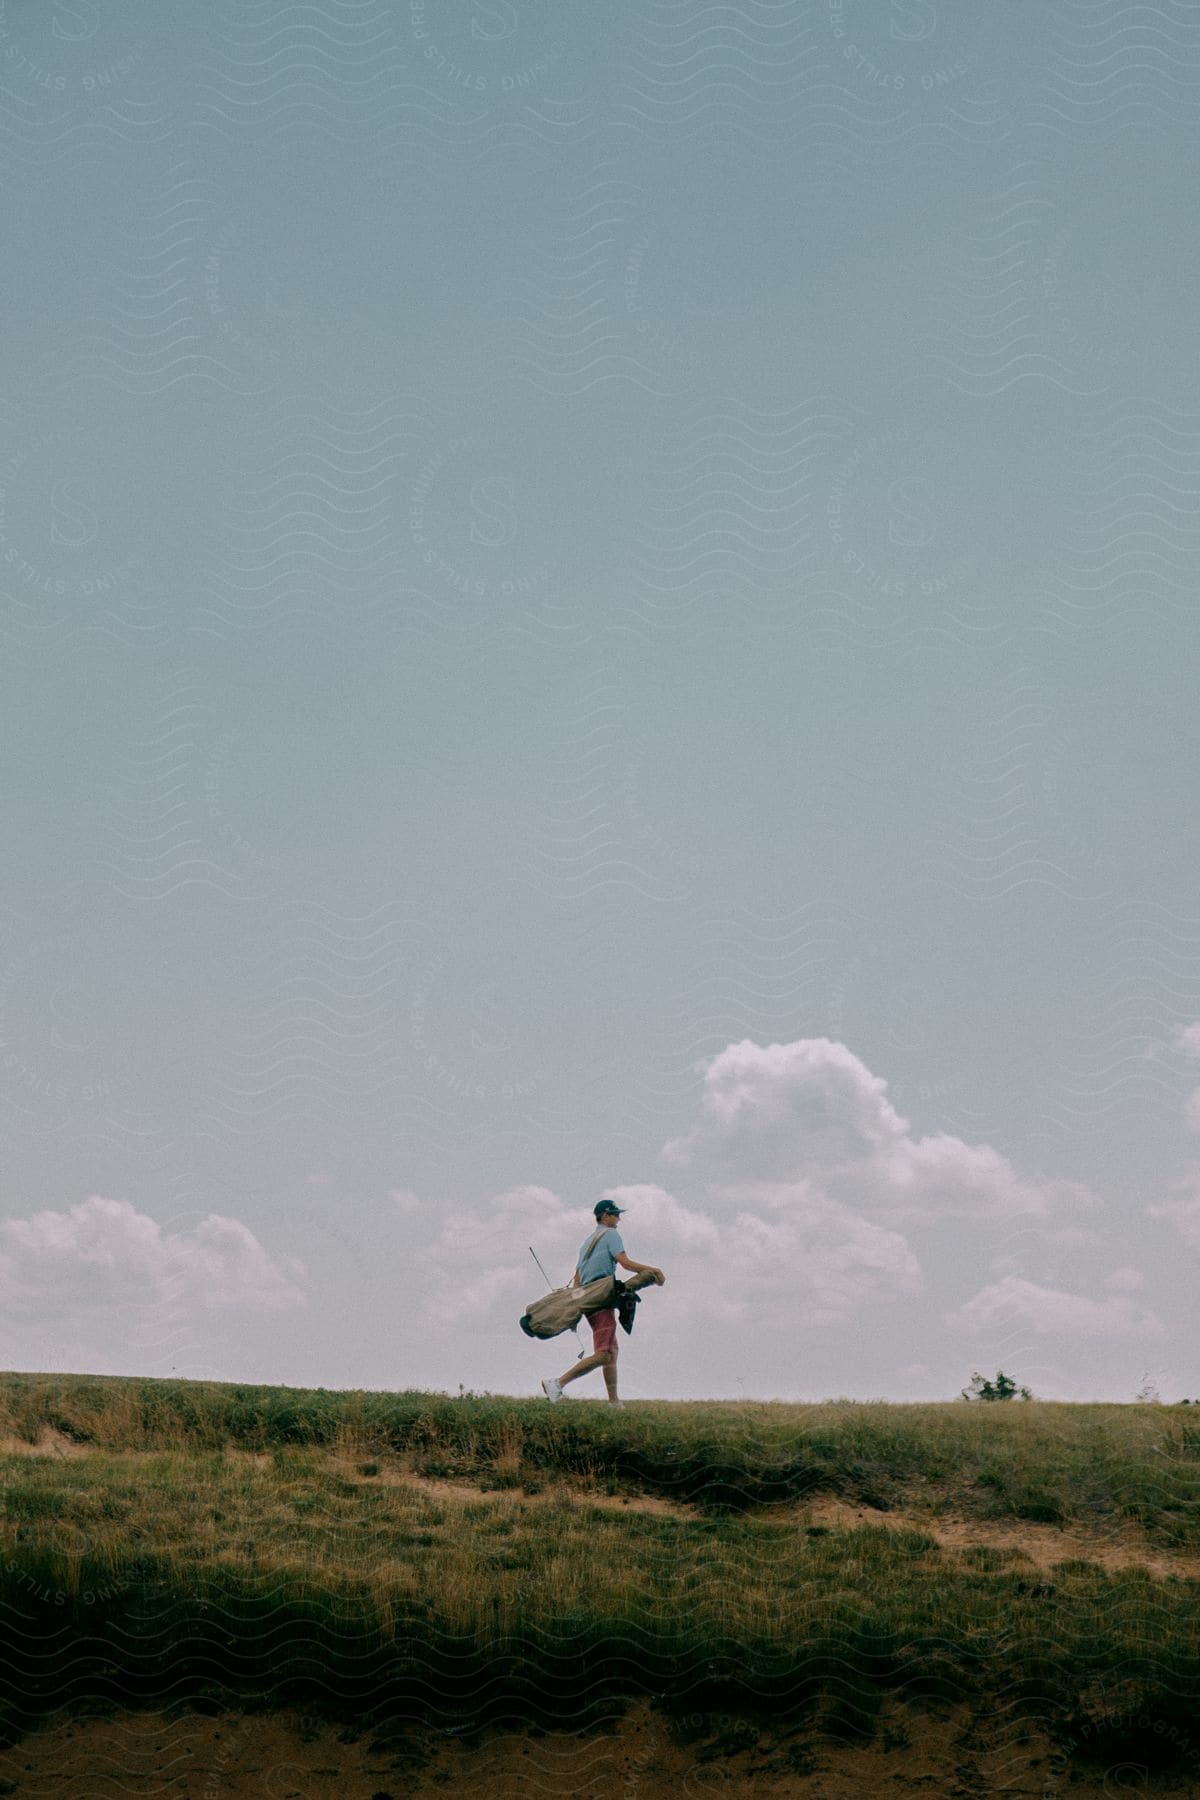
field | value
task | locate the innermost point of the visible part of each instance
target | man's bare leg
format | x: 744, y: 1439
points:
x: 582, y: 1368
x: 599, y: 1359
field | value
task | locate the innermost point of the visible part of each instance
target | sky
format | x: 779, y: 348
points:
x: 601, y: 601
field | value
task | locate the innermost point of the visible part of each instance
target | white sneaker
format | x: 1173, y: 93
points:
x: 619, y: 1404
x: 552, y: 1389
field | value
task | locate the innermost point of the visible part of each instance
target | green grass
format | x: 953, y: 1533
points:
x: 1040, y: 1462
x: 318, y: 1584
x: 244, y: 1540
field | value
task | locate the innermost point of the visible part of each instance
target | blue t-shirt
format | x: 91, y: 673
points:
x: 603, y: 1260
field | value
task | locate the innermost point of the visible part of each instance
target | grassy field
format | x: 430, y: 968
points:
x: 178, y: 1539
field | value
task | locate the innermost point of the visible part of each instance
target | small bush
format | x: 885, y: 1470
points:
x: 1002, y: 1388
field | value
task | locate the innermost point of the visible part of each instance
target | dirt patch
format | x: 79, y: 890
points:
x: 1042, y: 1545
x: 187, y: 1756
x: 50, y: 1443
x: 558, y: 1493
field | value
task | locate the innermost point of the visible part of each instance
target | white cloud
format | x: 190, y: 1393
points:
x: 943, y: 1175
x: 1187, y: 1040
x: 481, y: 1257
x: 1074, y: 1237
x: 788, y: 1206
x: 655, y: 1214
x: 103, y: 1254
x: 1126, y: 1280
x: 796, y: 1144
x: 765, y: 1107
x: 820, y: 1264
x: 815, y: 1177
x: 812, y: 1112
x: 404, y: 1200
x: 532, y: 1215
x: 471, y: 1297
x: 1017, y: 1301
x: 223, y: 1264
x: 1183, y: 1213
x: 812, y: 1261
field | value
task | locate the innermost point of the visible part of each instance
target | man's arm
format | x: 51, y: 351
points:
x: 641, y: 1268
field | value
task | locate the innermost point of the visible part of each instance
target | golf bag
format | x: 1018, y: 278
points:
x: 563, y: 1309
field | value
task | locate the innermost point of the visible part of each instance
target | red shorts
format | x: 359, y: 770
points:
x: 604, y: 1328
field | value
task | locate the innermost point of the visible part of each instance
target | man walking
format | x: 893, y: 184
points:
x: 600, y: 1255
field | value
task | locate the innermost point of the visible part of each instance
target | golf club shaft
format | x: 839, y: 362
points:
x: 537, y: 1259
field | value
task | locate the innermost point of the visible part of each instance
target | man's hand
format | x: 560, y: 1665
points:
x: 626, y: 1262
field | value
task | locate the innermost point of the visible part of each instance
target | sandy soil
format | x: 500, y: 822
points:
x: 280, y: 1757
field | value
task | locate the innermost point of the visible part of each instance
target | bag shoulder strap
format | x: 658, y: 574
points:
x: 589, y: 1248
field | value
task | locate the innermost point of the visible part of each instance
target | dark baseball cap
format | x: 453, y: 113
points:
x: 606, y: 1206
